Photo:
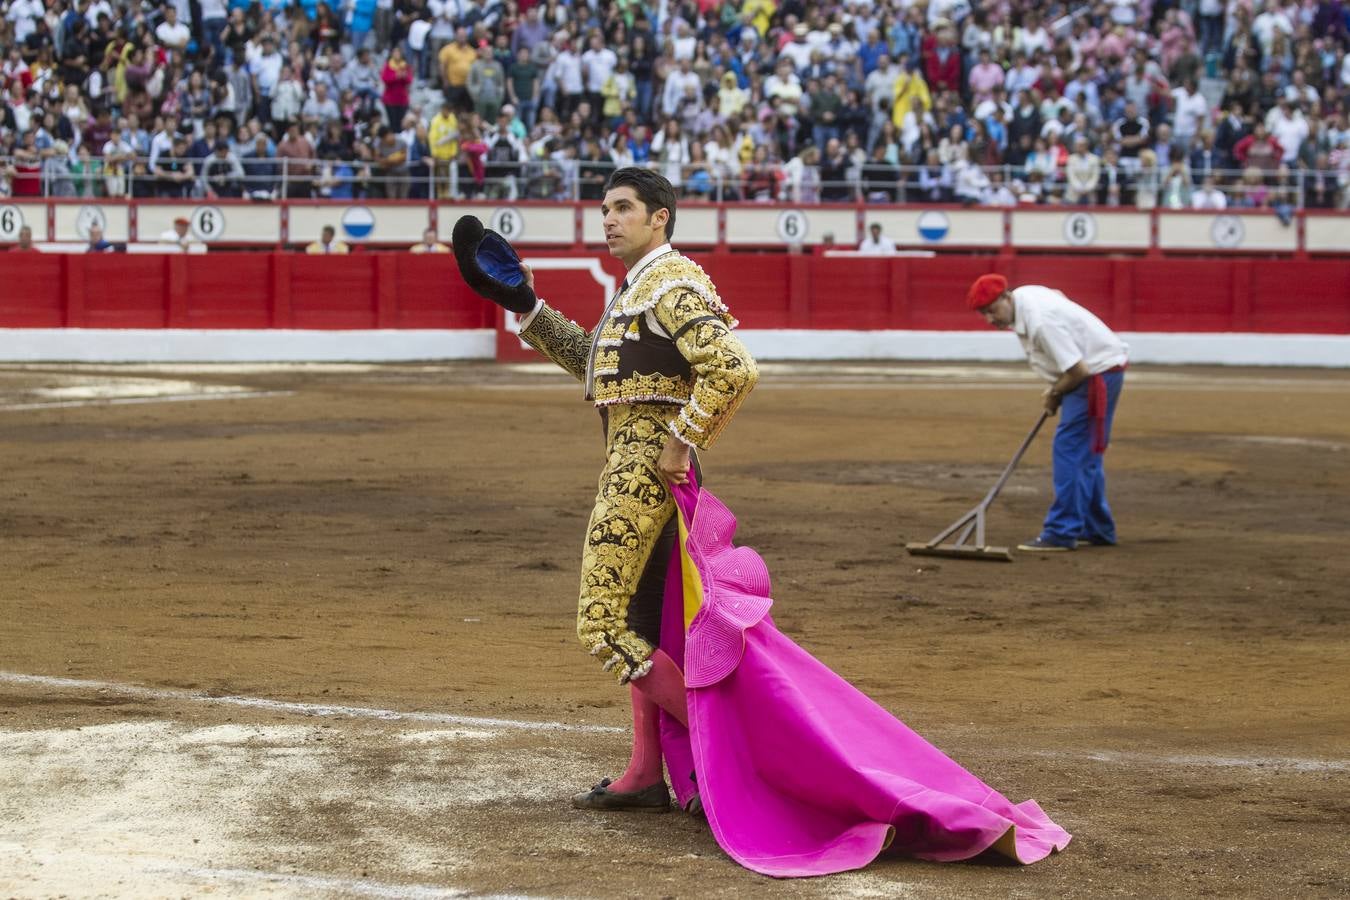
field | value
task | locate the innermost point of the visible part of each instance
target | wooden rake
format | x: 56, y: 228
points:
x: 974, y: 520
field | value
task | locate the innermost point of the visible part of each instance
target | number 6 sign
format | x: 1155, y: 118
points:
x: 208, y: 223
x: 508, y: 222
x: 1080, y: 229
x: 11, y: 220
x: 793, y: 226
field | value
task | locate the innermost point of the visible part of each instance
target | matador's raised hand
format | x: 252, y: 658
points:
x: 491, y: 267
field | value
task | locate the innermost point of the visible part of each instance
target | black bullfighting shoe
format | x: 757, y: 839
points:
x: 653, y: 798
x: 695, y: 808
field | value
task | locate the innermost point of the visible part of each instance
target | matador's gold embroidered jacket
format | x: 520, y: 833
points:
x: 666, y: 339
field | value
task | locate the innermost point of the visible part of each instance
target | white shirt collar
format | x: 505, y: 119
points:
x: 1019, y: 323
x: 641, y: 264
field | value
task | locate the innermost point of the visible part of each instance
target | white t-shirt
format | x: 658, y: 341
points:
x: 1266, y: 24
x: 1057, y: 333
x: 175, y: 35
x: 598, y: 65
x: 417, y: 34
x: 880, y: 247
x: 800, y: 54
x: 266, y: 69
x: 102, y: 7
x: 444, y: 14
x: 160, y: 145
x: 116, y: 147
x: 1191, y: 113
x: 567, y: 71
x: 684, y: 47
x: 1123, y: 11
x: 24, y: 14
x: 1211, y: 198
x: 1291, y: 132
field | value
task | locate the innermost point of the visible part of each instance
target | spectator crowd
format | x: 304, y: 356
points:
x: 1145, y: 103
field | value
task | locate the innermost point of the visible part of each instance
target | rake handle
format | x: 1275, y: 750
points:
x: 974, y: 519
x: 1017, y: 457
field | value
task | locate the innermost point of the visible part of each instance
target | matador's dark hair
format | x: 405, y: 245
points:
x: 652, y: 189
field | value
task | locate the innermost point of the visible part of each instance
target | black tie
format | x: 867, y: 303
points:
x: 623, y: 287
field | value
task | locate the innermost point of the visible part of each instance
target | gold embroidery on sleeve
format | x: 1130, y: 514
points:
x: 560, y: 339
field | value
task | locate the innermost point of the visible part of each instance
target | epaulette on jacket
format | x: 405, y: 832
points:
x: 670, y: 273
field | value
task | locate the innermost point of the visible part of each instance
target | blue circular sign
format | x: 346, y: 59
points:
x: 358, y: 222
x: 933, y: 225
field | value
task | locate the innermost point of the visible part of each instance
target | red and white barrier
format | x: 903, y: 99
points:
x: 399, y: 306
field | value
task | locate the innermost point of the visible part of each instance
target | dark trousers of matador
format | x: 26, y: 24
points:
x: 629, y: 542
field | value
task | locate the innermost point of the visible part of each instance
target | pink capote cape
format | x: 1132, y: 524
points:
x: 799, y: 772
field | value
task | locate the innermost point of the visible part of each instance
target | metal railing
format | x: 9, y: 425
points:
x: 568, y: 179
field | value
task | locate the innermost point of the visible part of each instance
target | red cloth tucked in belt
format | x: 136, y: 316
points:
x: 1097, y: 404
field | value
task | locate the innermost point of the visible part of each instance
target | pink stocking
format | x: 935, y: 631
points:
x: 644, y: 768
x: 664, y: 686
x: 661, y: 688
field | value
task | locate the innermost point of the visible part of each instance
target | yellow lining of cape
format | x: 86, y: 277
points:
x: 692, y: 583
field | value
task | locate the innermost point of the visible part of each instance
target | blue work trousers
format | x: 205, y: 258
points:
x: 1080, y: 511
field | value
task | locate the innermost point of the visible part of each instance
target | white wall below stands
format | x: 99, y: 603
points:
x: 393, y: 345
x: 1223, y: 348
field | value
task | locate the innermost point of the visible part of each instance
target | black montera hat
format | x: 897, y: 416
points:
x: 489, y: 265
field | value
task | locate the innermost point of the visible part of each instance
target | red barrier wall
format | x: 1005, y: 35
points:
x: 769, y: 290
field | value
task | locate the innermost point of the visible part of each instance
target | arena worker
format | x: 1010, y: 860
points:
x: 327, y: 243
x: 178, y: 234
x: 876, y: 243
x: 429, y: 244
x: 97, y: 243
x: 667, y: 374
x: 1084, y: 361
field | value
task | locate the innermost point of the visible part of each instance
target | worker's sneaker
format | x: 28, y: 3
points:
x: 1097, y: 541
x: 1044, y: 544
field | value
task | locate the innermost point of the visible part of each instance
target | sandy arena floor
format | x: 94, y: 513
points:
x: 309, y: 632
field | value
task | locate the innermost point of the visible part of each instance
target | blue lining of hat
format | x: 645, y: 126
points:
x: 499, y: 261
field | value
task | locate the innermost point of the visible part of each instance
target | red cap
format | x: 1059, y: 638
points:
x: 985, y: 290
x: 181, y: 220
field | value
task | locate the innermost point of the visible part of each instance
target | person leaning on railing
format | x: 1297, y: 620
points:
x: 443, y: 140
x: 260, y: 170
x: 86, y: 173
x: 391, y: 166
x: 880, y: 178
x: 801, y: 177
x: 593, y: 169
x: 174, y: 172
x: 698, y: 181
x: 222, y: 174
x: 760, y: 178
x: 504, y: 158
x: 1208, y: 196
x: 297, y: 156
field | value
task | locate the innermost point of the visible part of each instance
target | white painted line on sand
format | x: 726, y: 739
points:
x: 127, y: 401
x: 310, y: 885
x: 1300, y: 764
x: 1182, y: 760
x: 304, y: 709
